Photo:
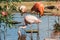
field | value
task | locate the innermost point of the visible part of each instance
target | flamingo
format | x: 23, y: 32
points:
x: 20, y: 34
x: 30, y: 19
x: 39, y: 8
x: 22, y: 9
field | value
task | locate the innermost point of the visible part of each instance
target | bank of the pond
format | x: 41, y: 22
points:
x: 13, y: 6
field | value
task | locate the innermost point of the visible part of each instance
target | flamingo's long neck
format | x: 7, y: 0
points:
x: 19, y: 32
x: 26, y: 23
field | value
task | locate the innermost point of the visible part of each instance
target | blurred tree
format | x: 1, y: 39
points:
x: 26, y: 0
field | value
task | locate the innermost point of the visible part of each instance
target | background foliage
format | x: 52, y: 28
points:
x: 26, y: 0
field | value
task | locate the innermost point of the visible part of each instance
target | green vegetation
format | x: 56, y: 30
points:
x: 5, y: 18
x: 25, y: 0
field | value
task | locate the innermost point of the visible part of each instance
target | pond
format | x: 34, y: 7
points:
x: 45, y: 27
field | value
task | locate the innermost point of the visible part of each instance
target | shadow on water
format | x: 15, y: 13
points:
x: 45, y: 30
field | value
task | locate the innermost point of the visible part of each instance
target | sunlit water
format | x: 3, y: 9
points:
x: 45, y: 30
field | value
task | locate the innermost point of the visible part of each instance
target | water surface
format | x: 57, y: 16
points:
x: 45, y: 27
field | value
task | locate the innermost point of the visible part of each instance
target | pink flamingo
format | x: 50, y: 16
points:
x: 23, y: 9
x: 39, y: 8
x: 29, y: 19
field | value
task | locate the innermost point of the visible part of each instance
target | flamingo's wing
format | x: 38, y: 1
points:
x: 31, y: 19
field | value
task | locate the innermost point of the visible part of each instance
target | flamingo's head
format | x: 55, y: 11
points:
x: 23, y: 9
x: 19, y: 33
x: 22, y: 26
x: 41, y: 13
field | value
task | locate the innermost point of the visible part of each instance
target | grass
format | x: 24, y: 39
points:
x: 28, y: 4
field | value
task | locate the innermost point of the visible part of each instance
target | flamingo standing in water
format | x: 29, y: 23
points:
x: 22, y: 9
x: 29, y: 19
x: 39, y: 8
